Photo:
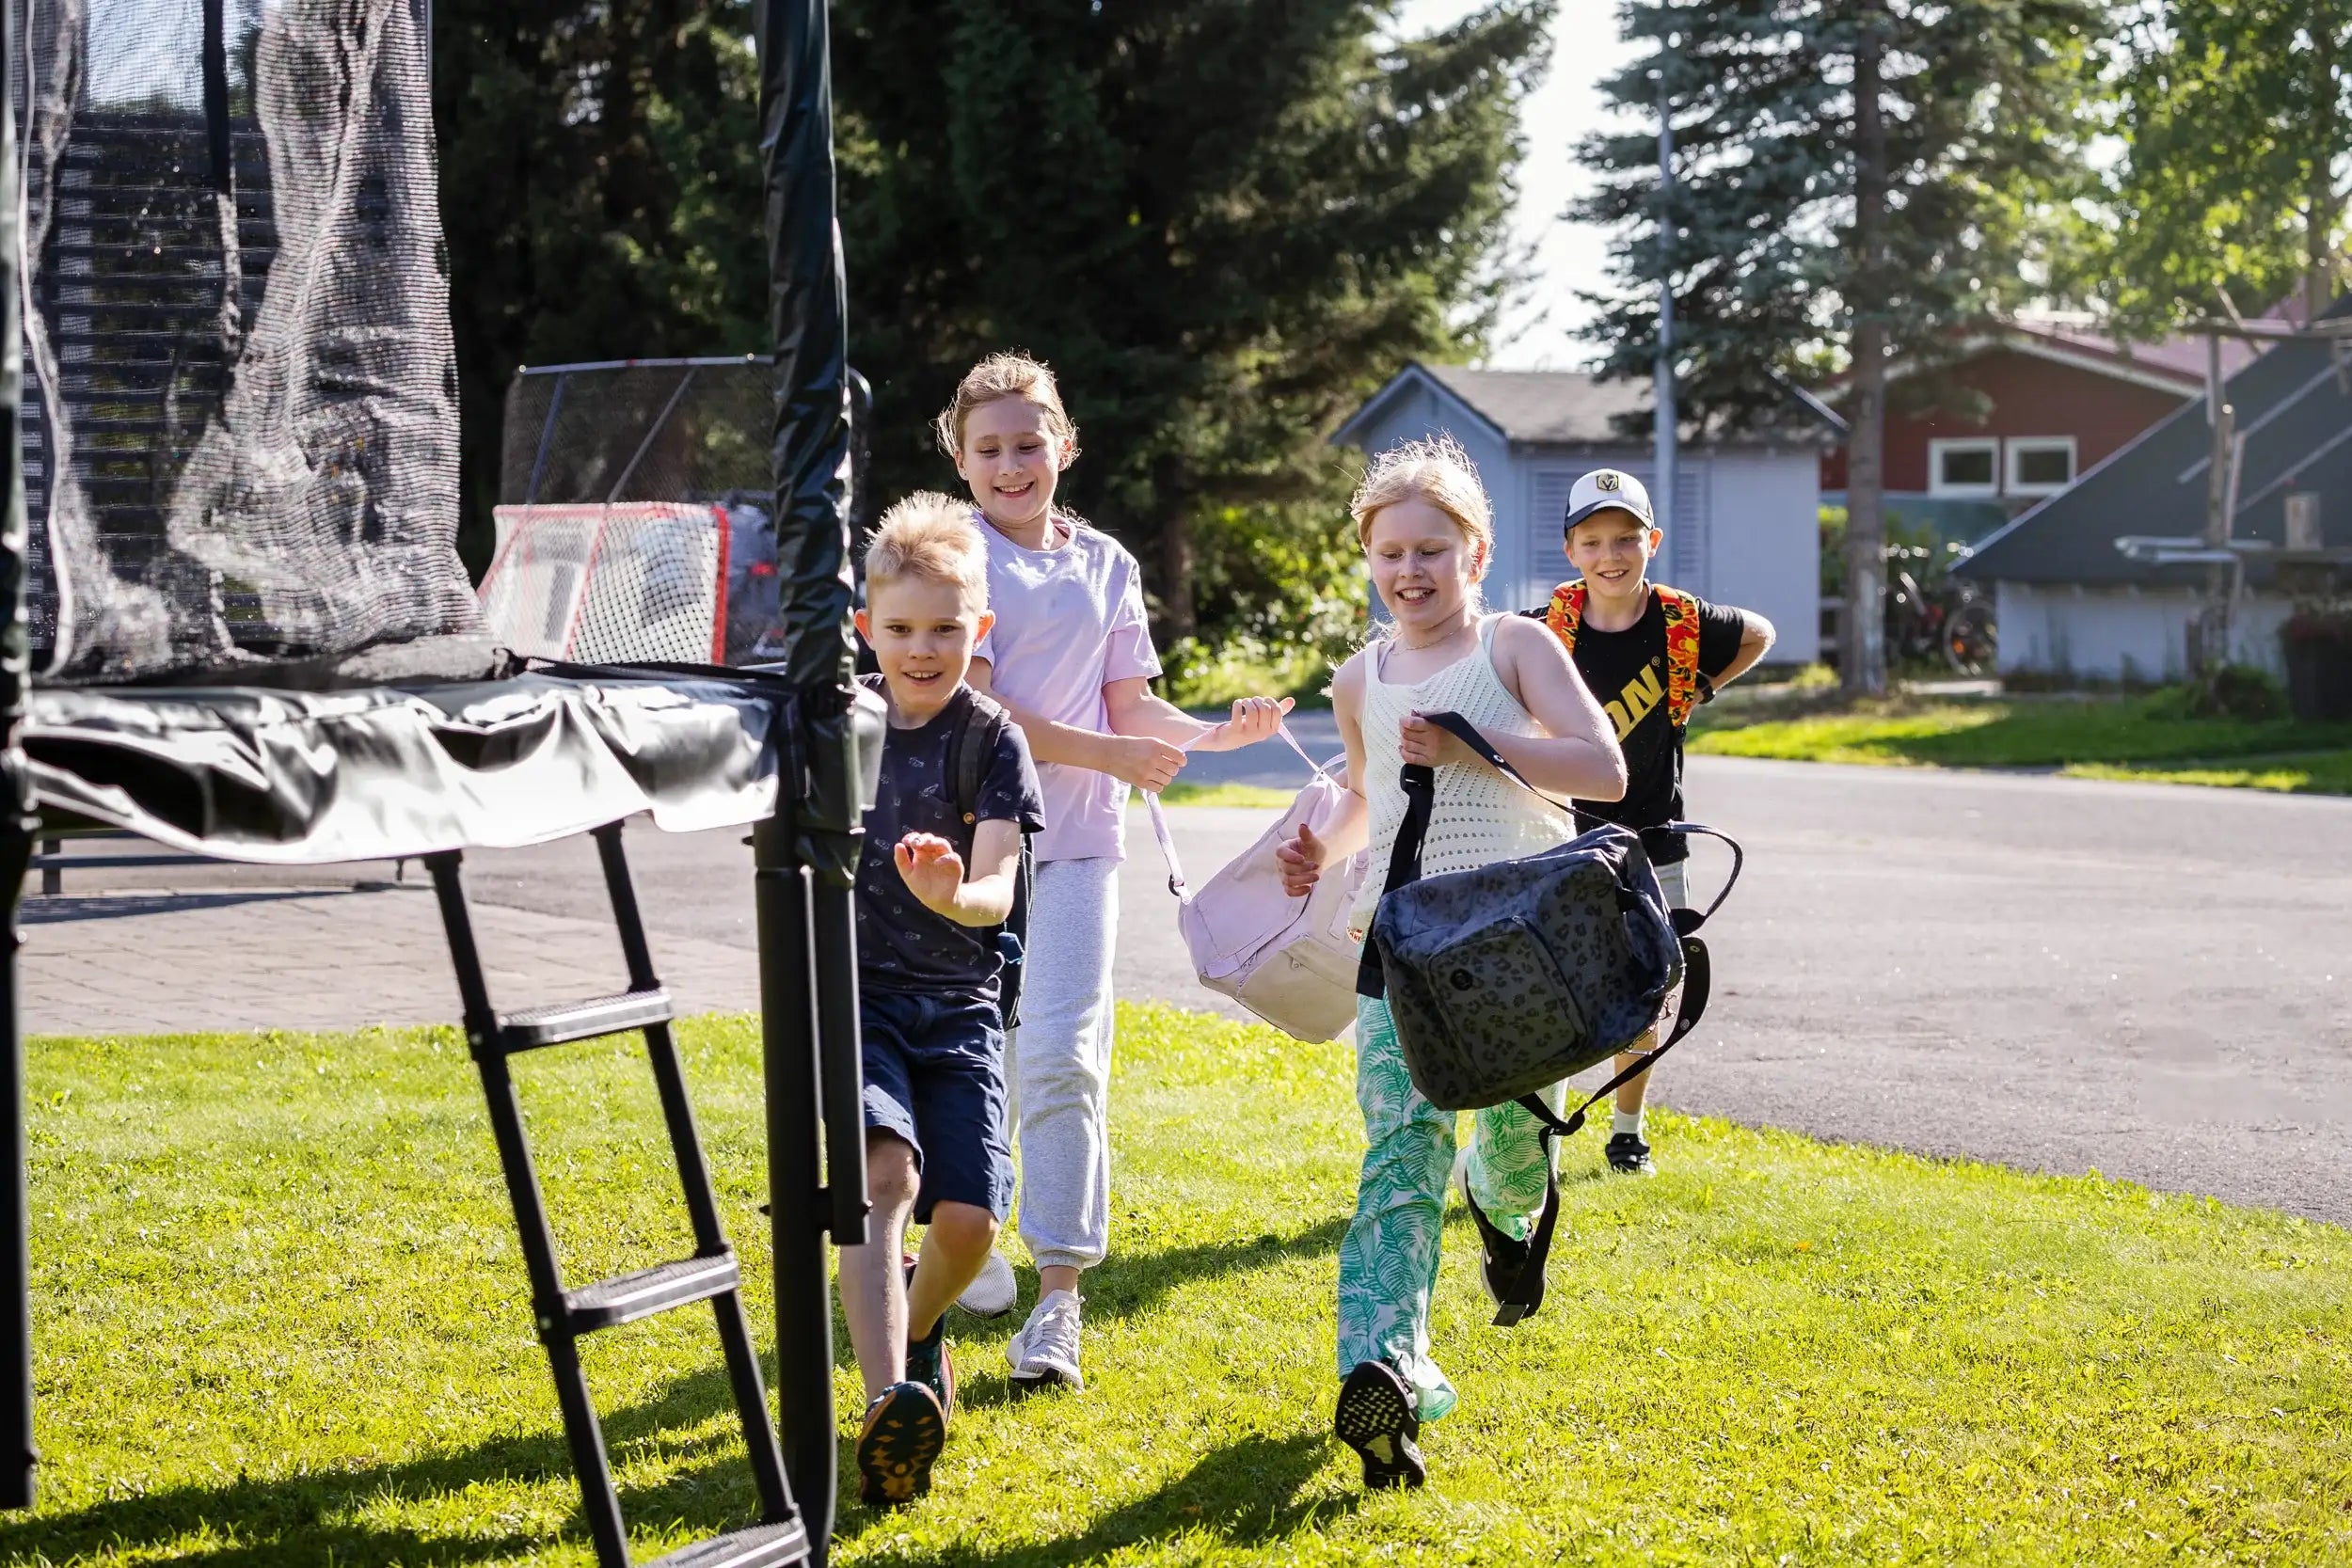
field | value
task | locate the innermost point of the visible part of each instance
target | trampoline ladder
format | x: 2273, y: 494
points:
x: 711, y: 1274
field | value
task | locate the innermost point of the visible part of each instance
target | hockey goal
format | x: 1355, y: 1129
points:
x: 605, y: 583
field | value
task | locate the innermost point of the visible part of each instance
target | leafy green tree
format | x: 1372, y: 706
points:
x: 600, y: 190
x: 1223, y: 222
x: 1854, y: 179
x: 2236, y: 122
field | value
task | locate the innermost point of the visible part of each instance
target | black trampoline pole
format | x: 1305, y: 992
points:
x: 806, y: 855
x: 16, y: 833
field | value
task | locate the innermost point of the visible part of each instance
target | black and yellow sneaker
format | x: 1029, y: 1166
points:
x: 1629, y: 1155
x: 929, y: 1364
x: 1376, y: 1417
x: 899, y: 1443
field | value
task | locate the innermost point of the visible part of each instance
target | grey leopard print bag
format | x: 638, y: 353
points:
x: 1505, y: 979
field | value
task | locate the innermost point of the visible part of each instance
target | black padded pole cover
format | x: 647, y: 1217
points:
x: 16, y: 843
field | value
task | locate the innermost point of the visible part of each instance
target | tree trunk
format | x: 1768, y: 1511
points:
x: 1862, y: 651
x: 2319, y: 216
x: 1176, y: 571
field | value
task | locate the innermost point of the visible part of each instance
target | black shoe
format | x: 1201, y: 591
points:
x: 900, y: 1442
x: 1377, y: 1418
x: 1629, y: 1156
x: 929, y: 1363
x: 1501, y: 1258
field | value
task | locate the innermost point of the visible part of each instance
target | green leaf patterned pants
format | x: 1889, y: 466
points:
x: 1388, y: 1258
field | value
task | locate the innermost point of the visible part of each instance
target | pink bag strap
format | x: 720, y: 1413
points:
x: 1176, y: 883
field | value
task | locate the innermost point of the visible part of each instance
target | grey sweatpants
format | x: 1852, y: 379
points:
x: 1060, y: 1060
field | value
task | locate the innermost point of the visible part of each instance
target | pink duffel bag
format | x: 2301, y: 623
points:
x: 1289, y: 960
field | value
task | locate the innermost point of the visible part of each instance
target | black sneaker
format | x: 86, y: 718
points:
x: 929, y: 1363
x: 1501, y: 1258
x: 1377, y: 1418
x: 1629, y: 1156
x: 903, y: 1434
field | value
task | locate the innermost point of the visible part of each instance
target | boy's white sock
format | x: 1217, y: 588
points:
x: 1628, y: 1122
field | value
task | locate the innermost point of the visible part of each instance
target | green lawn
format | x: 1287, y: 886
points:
x: 280, y: 1319
x: 1255, y: 796
x: 2147, y: 737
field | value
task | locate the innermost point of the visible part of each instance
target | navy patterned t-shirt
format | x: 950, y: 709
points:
x: 902, y: 944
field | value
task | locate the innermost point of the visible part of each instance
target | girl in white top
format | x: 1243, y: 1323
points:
x: 1428, y: 535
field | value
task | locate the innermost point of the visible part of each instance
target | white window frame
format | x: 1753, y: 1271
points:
x: 1938, y: 446
x: 2021, y: 444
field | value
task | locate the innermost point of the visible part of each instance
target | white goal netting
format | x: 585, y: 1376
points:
x: 600, y: 583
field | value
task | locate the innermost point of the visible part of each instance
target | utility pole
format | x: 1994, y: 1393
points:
x: 2212, y: 616
x: 1665, y: 426
x: 1862, y: 654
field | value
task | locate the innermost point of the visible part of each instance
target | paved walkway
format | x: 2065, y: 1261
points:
x: 2060, y: 975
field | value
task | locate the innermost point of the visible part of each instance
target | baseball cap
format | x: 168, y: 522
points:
x: 1604, y: 488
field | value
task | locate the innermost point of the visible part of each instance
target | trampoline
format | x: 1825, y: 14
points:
x: 232, y: 618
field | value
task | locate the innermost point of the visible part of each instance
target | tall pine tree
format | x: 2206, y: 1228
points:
x: 1221, y: 221
x: 1855, y: 180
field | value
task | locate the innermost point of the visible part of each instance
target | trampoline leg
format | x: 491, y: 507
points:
x: 796, y: 1196
x: 16, y: 1315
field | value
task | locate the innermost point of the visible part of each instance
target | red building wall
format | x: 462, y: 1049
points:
x: 2030, y: 396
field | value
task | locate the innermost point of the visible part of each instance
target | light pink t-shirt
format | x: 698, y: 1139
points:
x: 1069, y: 621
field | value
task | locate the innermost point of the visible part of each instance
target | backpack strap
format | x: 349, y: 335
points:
x: 970, y: 748
x: 1682, y: 652
x: 1567, y: 612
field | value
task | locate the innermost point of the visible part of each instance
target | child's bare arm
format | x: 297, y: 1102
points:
x: 1304, y: 857
x: 1579, y: 756
x: 1755, y: 640
x: 934, y: 873
x: 1135, y: 709
x: 1145, y: 761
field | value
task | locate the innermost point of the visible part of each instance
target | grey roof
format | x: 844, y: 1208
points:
x: 1549, y: 409
x: 2297, y: 415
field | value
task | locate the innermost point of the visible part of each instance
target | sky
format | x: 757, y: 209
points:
x: 1568, y: 256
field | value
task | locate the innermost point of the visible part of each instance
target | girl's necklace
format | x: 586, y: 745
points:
x: 1433, y: 643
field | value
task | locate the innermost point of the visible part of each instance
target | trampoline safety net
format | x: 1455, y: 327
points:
x: 241, y: 416
x: 632, y: 516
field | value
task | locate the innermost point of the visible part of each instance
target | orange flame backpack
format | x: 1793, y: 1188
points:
x: 1682, y: 639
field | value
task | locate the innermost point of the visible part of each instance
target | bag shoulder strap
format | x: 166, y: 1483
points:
x: 1682, y: 652
x: 1567, y: 612
x: 971, y: 748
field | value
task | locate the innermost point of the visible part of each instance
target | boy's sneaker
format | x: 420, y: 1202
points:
x: 1044, y: 1352
x: 929, y: 1364
x: 1502, y: 1258
x: 1629, y: 1155
x: 1377, y: 1417
x: 993, y: 1294
x: 899, y: 1443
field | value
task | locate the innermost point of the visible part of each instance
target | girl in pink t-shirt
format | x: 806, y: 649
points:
x: 1071, y: 655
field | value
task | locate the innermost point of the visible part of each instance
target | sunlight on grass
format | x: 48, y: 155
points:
x: 280, y: 1319
x: 2298, y: 773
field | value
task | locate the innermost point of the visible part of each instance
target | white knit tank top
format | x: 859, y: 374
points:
x: 1477, y: 815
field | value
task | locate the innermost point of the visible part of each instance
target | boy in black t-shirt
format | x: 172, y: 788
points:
x: 936, y: 878
x: 1648, y: 653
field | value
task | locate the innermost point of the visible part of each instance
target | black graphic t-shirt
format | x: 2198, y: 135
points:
x: 1626, y: 673
x: 903, y: 944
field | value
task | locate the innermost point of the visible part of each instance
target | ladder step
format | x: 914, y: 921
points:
x: 564, y: 1021
x: 625, y: 1298
x: 759, y: 1547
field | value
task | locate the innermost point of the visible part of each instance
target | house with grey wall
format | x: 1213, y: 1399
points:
x: 1745, y: 527
x: 2082, y: 588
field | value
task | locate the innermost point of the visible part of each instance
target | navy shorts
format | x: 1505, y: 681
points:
x: 935, y: 1077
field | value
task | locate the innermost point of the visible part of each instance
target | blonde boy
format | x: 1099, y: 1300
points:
x: 1648, y: 651
x: 931, y: 888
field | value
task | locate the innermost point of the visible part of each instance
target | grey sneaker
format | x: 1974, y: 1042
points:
x: 1046, y: 1351
x: 993, y: 1294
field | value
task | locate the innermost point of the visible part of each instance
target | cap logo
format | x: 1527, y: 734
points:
x: 1606, y: 481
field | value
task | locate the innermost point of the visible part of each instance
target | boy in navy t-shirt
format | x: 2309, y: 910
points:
x: 1648, y: 651
x: 937, y: 878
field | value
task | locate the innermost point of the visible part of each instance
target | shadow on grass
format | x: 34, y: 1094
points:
x: 1242, y: 1495
x: 320, y: 1518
